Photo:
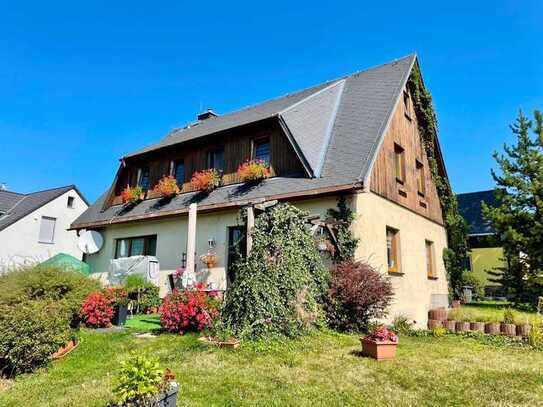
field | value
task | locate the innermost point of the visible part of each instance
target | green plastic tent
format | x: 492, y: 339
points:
x: 69, y: 262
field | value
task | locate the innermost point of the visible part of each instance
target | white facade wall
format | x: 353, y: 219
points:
x: 19, y: 243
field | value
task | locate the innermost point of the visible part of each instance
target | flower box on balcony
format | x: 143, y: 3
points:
x: 253, y: 171
x: 132, y: 195
x: 206, y: 181
x: 166, y: 187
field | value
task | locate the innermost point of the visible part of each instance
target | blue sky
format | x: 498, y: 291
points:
x: 81, y: 83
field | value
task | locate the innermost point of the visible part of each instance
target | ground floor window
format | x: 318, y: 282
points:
x: 393, y: 250
x: 430, y: 259
x: 135, y: 246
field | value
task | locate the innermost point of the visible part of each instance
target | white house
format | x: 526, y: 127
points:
x: 34, y: 226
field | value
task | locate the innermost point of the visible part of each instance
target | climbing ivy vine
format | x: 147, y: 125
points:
x: 346, y: 242
x: 455, y: 257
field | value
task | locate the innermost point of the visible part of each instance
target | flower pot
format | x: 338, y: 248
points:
x: 509, y: 329
x: 450, y: 325
x: 462, y: 326
x: 168, y: 398
x: 119, y: 316
x: 434, y: 323
x: 477, y: 326
x: 64, y: 350
x: 385, y: 350
x: 492, y: 328
x: 230, y: 343
x: 439, y: 314
x: 524, y: 330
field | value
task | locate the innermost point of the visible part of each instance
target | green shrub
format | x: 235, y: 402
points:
x: 509, y: 316
x: 402, y: 325
x: 279, y: 285
x: 535, y: 338
x: 139, y: 380
x: 143, y: 295
x: 47, y: 283
x: 439, y: 331
x: 134, y: 282
x: 477, y: 283
x: 29, y: 333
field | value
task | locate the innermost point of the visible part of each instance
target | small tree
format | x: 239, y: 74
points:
x: 358, y: 293
x: 279, y: 285
x: 346, y: 242
x: 518, y: 217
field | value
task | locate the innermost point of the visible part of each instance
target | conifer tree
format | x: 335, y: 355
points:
x: 518, y: 217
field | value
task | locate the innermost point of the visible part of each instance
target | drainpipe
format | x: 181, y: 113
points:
x: 191, y: 243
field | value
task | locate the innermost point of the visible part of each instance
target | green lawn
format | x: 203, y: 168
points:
x: 492, y: 311
x: 322, y: 369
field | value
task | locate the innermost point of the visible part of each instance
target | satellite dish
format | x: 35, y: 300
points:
x: 90, y: 241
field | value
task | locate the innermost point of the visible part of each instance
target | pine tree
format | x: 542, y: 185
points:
x: 518, y: 218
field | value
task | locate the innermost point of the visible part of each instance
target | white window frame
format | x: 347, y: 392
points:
x: 52, y: 241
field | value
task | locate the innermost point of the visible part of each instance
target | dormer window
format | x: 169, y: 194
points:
x: 261, y: 150
x: 215, y: 159
x: 143, y: 178
x: 70, y: 202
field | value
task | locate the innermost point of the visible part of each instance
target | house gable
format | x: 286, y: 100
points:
x: 402, y: 146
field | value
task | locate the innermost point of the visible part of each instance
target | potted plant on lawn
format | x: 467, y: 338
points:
x: 167, y: 187
x: 254, y: 171
x: 220, y: 335
x: 206, y: 180
x: 508, y: 326
x: 132, y: 195
x: 380, y: 344
x: 118, y: 298
x: 141, y: 382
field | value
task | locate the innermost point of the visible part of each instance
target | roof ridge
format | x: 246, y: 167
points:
x: 50, y: 189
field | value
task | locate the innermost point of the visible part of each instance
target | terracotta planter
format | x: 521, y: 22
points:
x: 492, y: 328
x: 434, y: 323
x: 509, y: 329
x: 379, y: 350
x: 456, y: 303
x: 438, y: 314
x: 462, y: 326
x: 524, y: 330
x: 64, y: 350
x: 450, y: 325
x: 477, y: 326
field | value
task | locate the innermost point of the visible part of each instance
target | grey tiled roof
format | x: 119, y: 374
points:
x: 469, y: 205
x: 337, y: 126
x: 15, y: 206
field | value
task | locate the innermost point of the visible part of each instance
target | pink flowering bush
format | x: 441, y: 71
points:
x: 96, y: 310
x: 382, y: 334
x: 189, y: 309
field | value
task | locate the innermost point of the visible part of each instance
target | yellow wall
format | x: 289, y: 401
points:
x: 486, y: 259
x: 415, y: 294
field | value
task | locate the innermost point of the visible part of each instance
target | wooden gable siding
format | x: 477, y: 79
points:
x: 403, y: 131
x: 237, y: 149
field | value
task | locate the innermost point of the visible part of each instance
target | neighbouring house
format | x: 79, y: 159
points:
x: 485, y: 255
x: 34, y: 226
x: 356, y: 137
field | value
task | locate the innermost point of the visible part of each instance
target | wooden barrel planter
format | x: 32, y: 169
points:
x: 462, y: 326
x: 477, y: 326
x: 524, y: 330
x: 438, y: 314
x: 434, y: 323
x: 509, y: 329
x: 492, y: 328
x: 450, y: 325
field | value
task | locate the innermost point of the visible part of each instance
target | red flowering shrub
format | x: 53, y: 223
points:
x: 382, y: 334
x: 206, y: 180
x: 254, y: 170
x: 96, y: 310
x: 183, y: 310
x: 358, y: 293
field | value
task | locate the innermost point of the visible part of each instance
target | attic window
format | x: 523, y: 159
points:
x: 407, y: 104
x: 421, y: 181
x: 215, y: 159
x: 261, y: 150
x: 143, y: 178
x: 399, y: 163
x: 70, y: 202
x: 179, y: 172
